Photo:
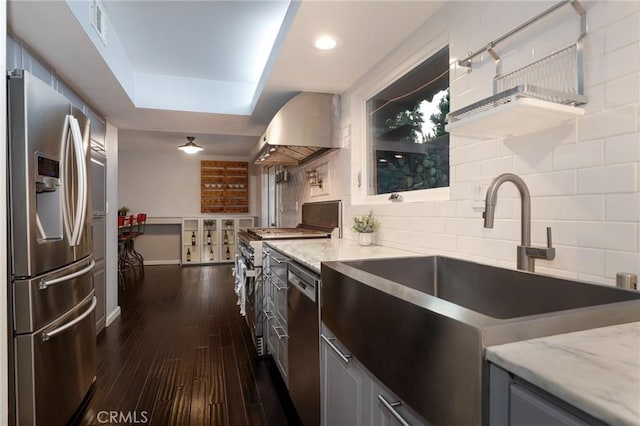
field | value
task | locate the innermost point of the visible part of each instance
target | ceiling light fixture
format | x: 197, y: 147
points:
x: 325, y: 43
x: 190, y: 147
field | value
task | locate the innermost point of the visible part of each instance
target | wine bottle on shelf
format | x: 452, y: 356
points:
x: 225, y: 239
x: 208, y: 237
x: 228, y: 254
x: 193, y: 238
x: 188, y: 255
x: 210, y: 254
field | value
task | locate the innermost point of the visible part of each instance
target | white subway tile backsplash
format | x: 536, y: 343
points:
x: 613, y: 236
x: 495, y: 166
x: 459, y: 155
x: 460, y: 191
x: 503, y: 229
x: 483, y: 150
x: 578, y: 259
x: 578, y: 155
x: 621, y: 62
x: 622, y: 33
x: 533, y: 162
x: 620, y: 261
x: 468, y: 172
x: 444, y: 208
x: 603, y: 13
x: 556, y: 183
x: 622, y: 207
x: 594, y: 43
x: 463, y: 209
x: 595, y: 102
x: 622, y: 149
x: 608, y: 179
x: 595, y: 279
x: 583, y: 207
x: 608, y: 123
x: 563, y: 232
x: 622, y: 91
x: 541, y: 268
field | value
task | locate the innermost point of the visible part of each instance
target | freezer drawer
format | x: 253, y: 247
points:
x: 41, y: 300
x: 56, y: 366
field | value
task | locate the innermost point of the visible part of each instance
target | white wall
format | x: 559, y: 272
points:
x: 583, y: 175
x: 167, y: 184
x: 111, y: 261
x: 4, y: 273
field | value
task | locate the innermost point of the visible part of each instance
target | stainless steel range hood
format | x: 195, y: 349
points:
x: 304, y: 128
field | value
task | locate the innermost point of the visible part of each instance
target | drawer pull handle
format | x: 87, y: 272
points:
x: 329, y: 340
x: 46, y: 283
x: 268, y: 315
x: 53, y: 333
x: 280, y: 336
x: 279, y: 260
x: 275, y: 281
x: 391, y: 407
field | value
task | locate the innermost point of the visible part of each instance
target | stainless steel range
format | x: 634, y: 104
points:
x: 319, y: 220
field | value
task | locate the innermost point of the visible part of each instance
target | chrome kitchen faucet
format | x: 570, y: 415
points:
x: 526, y: 253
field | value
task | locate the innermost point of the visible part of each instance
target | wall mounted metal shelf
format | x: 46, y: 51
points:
x: 539, y: 95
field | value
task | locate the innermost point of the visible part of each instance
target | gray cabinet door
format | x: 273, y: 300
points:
x: 528, y: 409
x: 512, y: 402
x: 388, y: 410
x: 345, y: 388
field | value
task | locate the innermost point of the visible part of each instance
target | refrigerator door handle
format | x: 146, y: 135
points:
x: 81, y: 207
x: 64, y: 151
x: 46, y: 283
x: 46, y: 335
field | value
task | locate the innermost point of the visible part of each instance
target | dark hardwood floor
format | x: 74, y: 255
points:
x: 180, y: 354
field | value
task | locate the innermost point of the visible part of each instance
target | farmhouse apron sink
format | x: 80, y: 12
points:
x: 421, y: 324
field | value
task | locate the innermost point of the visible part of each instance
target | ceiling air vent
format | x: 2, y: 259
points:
x: 99, y: 20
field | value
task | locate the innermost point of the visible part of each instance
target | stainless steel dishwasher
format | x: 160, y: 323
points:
x: 304, y: 347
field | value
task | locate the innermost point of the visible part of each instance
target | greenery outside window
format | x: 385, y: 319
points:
x: 407, y: 143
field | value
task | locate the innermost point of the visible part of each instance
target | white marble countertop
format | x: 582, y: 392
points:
x: 596, y: 370
x: 312, y: 252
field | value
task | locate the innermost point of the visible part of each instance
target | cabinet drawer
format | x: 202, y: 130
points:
x: 528, y: 408
x: 279, y: 298
x: 278, y: 342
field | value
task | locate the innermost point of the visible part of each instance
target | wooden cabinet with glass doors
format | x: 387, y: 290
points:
x: 211, y: 239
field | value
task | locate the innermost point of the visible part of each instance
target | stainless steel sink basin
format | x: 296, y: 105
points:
x: 421, y: 324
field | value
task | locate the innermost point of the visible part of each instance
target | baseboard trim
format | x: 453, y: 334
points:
x: 162, y: 262
x: 112, y: 316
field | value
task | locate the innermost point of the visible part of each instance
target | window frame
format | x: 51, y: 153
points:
x: 361, y: 154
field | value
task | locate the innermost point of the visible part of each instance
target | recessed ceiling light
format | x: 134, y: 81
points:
x: 325, y: 43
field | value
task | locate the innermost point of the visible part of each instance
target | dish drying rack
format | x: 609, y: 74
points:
x: 541, y: 94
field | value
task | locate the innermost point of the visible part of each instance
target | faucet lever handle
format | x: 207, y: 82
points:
x: 549, y: 244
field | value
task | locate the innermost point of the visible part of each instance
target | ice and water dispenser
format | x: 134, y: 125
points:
x: 48, y: 197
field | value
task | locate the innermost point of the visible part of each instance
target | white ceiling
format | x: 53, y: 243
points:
x: 210, y: 39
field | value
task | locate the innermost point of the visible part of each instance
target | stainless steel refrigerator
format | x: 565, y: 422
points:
x: 54, y: 337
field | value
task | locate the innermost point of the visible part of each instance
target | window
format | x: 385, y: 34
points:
x: 407, y: 144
